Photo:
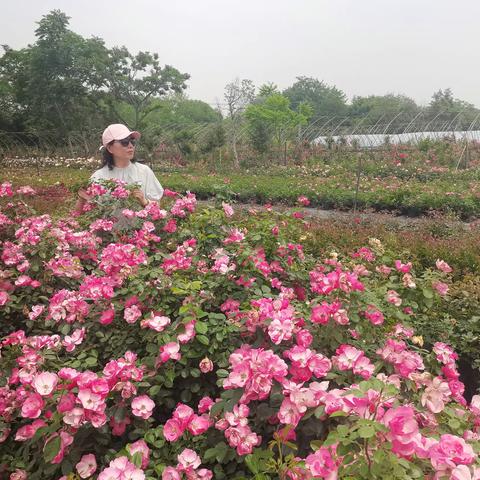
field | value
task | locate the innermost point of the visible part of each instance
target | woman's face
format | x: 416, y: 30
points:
x: 122, y: 150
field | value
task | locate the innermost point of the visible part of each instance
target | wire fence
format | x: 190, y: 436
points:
x: 179, y: 141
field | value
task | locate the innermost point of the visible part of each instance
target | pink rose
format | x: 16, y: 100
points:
x: 205, y: 404
x: 183, y: 413
x: 401, y: 423
x: 441, y: 288
x: 451, y: 451
x: 18, y: 474
x: 206, y: 365
x: 132, y: 314
x: 107, y: 316
x: 143, y: 406
x: 172, y: 430
x: 443, y: 266
x: 189, y: 458
x: 86, y: 466
x: 171, y: 473
x: 32, y: 406
x: 4, y: 297
x: 28, y: 431
x: 199, y: 424
x: 227, y: 209
x: 321, y: 463
x: 140, y: 446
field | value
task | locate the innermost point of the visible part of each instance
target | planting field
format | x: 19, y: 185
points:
x: 217, y: 342
x: 408, y: 190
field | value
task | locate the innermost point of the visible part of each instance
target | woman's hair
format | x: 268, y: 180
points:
x: 107, y: 158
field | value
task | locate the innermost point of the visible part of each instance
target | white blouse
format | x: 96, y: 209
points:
x: 133, y: 173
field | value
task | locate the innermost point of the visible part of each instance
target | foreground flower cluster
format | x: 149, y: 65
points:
x: 179, y: 344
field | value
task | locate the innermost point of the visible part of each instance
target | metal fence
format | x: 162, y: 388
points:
x: 355, y: 132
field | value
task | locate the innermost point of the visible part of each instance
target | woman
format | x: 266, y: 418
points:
x: 118, y: 146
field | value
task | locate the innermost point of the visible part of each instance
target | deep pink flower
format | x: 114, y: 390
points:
x: 32, y: 406
x: 173, y: 430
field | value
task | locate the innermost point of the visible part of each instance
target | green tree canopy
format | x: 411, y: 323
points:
x: 275, y: 119
x: 325, y: 100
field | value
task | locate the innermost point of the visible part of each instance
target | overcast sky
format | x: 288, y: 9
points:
x: 363, y: 47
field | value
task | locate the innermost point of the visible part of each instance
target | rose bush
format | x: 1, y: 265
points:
x: 198, y: 344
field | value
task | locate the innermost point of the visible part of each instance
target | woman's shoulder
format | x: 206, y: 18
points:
x: 100, y: 173
x: 142, y: 167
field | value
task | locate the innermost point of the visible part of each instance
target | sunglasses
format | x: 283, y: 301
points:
x: 125, y: 141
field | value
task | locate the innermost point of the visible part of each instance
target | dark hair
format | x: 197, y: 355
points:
x: 107, y: 158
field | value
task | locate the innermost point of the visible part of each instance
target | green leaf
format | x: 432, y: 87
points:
x: 137, y: 459
x: 367, y: 431
x: 201, y: 327
x: 154, y: 390
x: 203, y: 339
x: 51, y: 448
x: 427, y: 293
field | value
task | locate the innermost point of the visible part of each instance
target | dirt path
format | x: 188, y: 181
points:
x: 371, y: 217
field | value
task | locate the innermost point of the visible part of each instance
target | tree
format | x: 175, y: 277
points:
x: 395, y: 111
x: 65, y: 83
x: 275, y: 116
x: 325, y: 100
x: 138, y: 79
x: 238, y: 95
x: 451, y: 112
x: 53, y: 80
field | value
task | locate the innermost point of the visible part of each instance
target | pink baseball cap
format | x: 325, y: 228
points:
x: 117, y: 131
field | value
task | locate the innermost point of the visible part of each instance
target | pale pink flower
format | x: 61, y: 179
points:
x: 140, y: 446
x: 443, y: 266
x: 143, y: 406
x: 205, y: 404
x: 169, y: 351
x: 4, y: 297
x: 132, y: 314
x: 86, y: 466
x: 189, y: 458
x: 451, y: 451
x: 90, y: 400
x: 441, y: 288
x: 155, y: 322
x: 171, y: 473
x: 18, y: 474
x: 402, y: 424
x: 394, y: 298
x: 436, y: 395
x: 374, y: 315
x: 227, y: 209
x: 70, y: 342
x: 303, y: 200
x: 403, y: 267
x: 45, y: 383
